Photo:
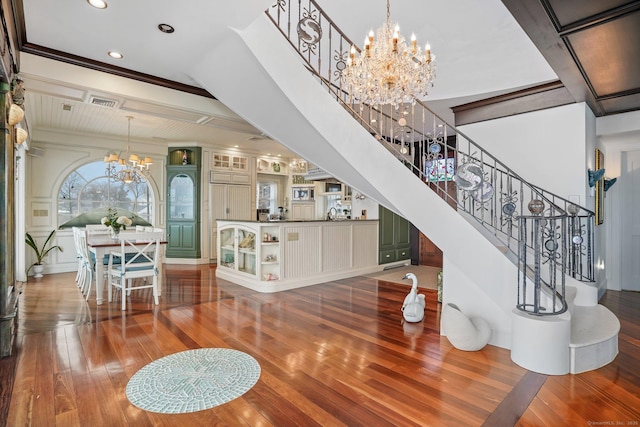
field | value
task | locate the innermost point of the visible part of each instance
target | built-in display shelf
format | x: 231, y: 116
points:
x: 293, y: 254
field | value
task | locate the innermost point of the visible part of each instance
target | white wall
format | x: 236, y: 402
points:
x: 553, y: 149
x: 617, y: 134
x: 547, y: 148
x: 559, y: 147
x: 61, y: 154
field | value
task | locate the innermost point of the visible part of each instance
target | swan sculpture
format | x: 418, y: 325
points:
x: 464, y: 333
x: 413, y: 305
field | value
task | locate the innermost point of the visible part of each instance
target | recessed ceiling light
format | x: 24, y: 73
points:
x: 235, y: 146
x: 99, y: 4
x: 115, y: 55
x: 166, y: 28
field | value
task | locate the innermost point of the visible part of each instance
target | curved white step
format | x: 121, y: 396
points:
x: 541, y: 343
x: 594, y: 338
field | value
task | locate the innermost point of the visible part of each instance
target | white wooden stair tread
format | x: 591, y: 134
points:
x: 591, y: 325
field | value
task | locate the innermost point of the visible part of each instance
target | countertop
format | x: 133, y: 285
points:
x: 295, y: 220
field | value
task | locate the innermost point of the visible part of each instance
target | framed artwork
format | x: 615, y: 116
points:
x: 599, y: 189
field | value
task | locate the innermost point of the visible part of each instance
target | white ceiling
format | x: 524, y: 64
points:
x: 481, y: 51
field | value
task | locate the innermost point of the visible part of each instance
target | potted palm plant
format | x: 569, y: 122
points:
x: 41, y: 253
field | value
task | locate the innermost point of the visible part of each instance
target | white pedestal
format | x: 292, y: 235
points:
x: 541, y: 343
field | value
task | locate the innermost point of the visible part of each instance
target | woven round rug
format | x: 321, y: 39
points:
x: 193, y: 380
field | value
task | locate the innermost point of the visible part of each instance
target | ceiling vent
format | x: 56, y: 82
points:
x: 103, y: 102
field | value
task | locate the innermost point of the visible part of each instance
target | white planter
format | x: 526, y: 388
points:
x: 38, y: 269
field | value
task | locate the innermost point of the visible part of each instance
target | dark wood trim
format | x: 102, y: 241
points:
x: 10, y: 44
x: 557, y: 37
x: 57, y: 55
x: 517, y: 401
x: 591, y: 21
x: 508, y: 96
x: 18, y: 29
x: 535, y: 98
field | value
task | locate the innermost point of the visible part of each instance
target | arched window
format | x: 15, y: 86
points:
x: 87, y: 188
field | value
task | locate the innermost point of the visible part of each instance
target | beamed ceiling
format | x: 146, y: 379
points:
x: 592, y: 45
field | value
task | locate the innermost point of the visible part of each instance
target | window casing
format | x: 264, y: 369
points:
x: 87, y: 188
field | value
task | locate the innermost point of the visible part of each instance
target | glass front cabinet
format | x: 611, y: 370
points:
x: 252, y: 252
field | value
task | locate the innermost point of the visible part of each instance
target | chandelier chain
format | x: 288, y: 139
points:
x: 138, y: 172
x: 388, y: 13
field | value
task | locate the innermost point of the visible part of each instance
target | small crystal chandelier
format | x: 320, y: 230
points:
x: 388, y: 71
x: 136, y: 173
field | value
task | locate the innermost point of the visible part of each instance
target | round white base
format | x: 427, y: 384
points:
x: 38, y: 269
x: 541, y: 343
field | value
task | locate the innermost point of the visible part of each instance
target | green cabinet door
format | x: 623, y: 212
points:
x: 394, y: 237
x: 183, y: 203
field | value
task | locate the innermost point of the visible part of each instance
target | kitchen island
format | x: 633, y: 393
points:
x: 281, y: 255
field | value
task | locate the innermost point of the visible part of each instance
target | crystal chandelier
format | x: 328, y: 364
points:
x: 388, y: 71
x: 119, y: 170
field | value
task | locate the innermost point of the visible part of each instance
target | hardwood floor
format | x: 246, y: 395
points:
x: 331, y: 354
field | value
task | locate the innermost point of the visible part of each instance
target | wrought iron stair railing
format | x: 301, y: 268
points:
x: 435, y: 151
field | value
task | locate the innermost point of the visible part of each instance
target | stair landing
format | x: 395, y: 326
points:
x: 594, y: 338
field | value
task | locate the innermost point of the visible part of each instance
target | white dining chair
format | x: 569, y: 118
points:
x: 76, y: 244
x: 78, y: 254
x: 86, y: 267
x: 137, y: 258
x: 96, y: 229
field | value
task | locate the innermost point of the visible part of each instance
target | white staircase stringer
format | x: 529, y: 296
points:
x: 238, y: 78
x: 269, y: 88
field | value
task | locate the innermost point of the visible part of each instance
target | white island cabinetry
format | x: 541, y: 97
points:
x: 292, y: 254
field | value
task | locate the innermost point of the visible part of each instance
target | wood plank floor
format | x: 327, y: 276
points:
x: 335, y: 354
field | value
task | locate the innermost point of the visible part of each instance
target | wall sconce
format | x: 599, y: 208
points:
x: 21, y: 135
x: 16, y: 114
x: 595, y: 176
x: 608, y: 183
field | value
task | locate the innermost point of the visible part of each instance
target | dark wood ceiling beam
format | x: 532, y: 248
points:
x: 540, y: 97
x: 592, y: 21
x: 536, y: 22
x: 108, y: 68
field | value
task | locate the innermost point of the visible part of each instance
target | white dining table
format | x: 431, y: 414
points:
x: 101, y: 245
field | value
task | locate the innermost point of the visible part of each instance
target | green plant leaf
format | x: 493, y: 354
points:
x: 41, y: 253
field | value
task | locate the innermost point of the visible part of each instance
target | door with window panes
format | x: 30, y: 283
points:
x: 183, y: 203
